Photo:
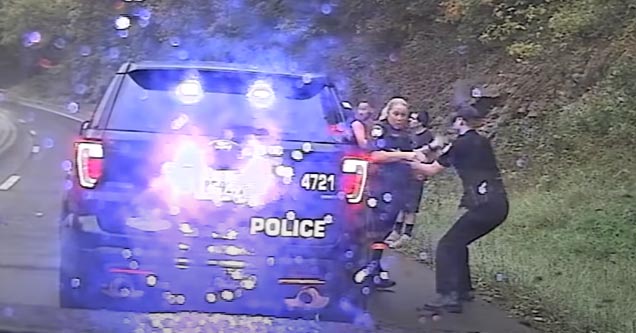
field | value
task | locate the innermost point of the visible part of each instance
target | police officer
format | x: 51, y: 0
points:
x: 484, y: 202
x: 391, y: 151
x: 421, y: 136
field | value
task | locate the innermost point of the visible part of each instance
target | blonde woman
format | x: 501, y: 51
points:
x: 391, y: 150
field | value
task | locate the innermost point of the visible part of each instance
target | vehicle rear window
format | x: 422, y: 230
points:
x: 303, y: 108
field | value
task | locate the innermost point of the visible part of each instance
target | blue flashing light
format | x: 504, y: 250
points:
x: 261, y: 94
x: 189, y: 92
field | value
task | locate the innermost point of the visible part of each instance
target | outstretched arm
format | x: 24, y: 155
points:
x: 382, y: 156
x: 426, y: 169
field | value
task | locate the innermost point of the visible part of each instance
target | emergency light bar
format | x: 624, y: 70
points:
x: 261, y: 94
x: 189, y: 92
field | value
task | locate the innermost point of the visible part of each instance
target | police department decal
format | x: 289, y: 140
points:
x: 377, y: 131
x: 483, y: 188
x: 292, y: 228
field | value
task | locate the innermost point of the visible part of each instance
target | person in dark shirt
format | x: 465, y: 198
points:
x: 391, y: 151
x: 421, y: 136
x: 361, y: 122
x: 484, y: 200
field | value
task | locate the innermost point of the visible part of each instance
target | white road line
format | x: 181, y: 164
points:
x: 26, y: 102
x: 35, y: 149
x: 9, y: 182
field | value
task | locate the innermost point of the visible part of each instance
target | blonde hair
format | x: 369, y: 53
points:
x: 390, y: 105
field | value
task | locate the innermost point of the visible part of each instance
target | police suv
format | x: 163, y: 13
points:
x: 215, y: 188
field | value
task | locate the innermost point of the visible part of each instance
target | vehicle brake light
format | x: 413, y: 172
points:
x: 354, y: 171
x: 89, y: 157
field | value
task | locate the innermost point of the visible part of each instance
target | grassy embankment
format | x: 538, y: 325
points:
x: 570, y: 239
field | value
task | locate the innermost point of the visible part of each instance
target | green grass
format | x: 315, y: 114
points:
x: 572, y: 245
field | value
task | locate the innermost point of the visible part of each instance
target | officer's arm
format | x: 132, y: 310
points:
x: 380, y: 153
x: 358, y: 132
x: 444, y: 161
x: 426, y: 169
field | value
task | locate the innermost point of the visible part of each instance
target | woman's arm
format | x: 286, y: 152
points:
x: 381, y: 156
x: 427, y: 170
x: 359, y: 133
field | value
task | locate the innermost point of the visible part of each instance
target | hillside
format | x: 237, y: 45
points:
x: 565, y: 68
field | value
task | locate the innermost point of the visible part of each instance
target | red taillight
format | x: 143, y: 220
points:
x: 355, y: 171
x: 89, y: 159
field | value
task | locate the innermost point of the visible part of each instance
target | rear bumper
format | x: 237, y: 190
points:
x: 174, y: 272
x: 145, y: 277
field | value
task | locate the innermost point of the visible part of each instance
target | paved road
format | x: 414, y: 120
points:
x: 29, y: 259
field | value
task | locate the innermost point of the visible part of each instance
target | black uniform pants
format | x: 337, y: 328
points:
x: 390, y: 199
x: 451, y: 260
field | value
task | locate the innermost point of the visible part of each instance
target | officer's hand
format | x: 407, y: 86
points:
x: 419, y: 156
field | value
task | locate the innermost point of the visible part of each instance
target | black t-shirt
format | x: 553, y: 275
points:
x: 383, y: 137
x: 353, y: 136
x: 474, y: 159
x: 421, y: 139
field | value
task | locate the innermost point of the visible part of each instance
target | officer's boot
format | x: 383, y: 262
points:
x: 448, y: 302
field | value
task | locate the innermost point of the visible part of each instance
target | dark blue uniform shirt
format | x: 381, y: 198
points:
x: 386, y: 138
x: 473, y: 158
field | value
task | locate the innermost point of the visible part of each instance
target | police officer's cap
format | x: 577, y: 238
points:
x: 466, y: 111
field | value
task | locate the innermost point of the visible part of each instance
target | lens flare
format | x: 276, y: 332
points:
x: 261, y: 95
x: 189, y: 92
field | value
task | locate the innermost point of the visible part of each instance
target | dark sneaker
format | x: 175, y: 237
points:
x: 382, y: 281
x: 450, y: 303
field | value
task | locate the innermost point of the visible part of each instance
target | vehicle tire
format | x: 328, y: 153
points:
x: 71, y: 267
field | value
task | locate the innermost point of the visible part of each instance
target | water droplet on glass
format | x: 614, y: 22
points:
x: 174, y: 41
x: 372, y: 202
x: 423, y: 256
x: 85, y: 51
x: 35, y: 37
x: 122, y: 23
x: 306, y: 147
x: 144, y: 14
x: 297, y: 155
x: 306, y: 78
x: 143, y: 23
x: 47, y: 143
x: 271, y: 261
x: 80, y: 89
x: 67, y: 165
x: 113, y: 53
x: 326, y: 9
x: 68, y: 185
x: 393, y: 57
x: 183, y: 55
x: 122, y: 33
x: 60, y: 43
x: 72, y: 107
x: 387, y: 197
x: 500, y: 277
